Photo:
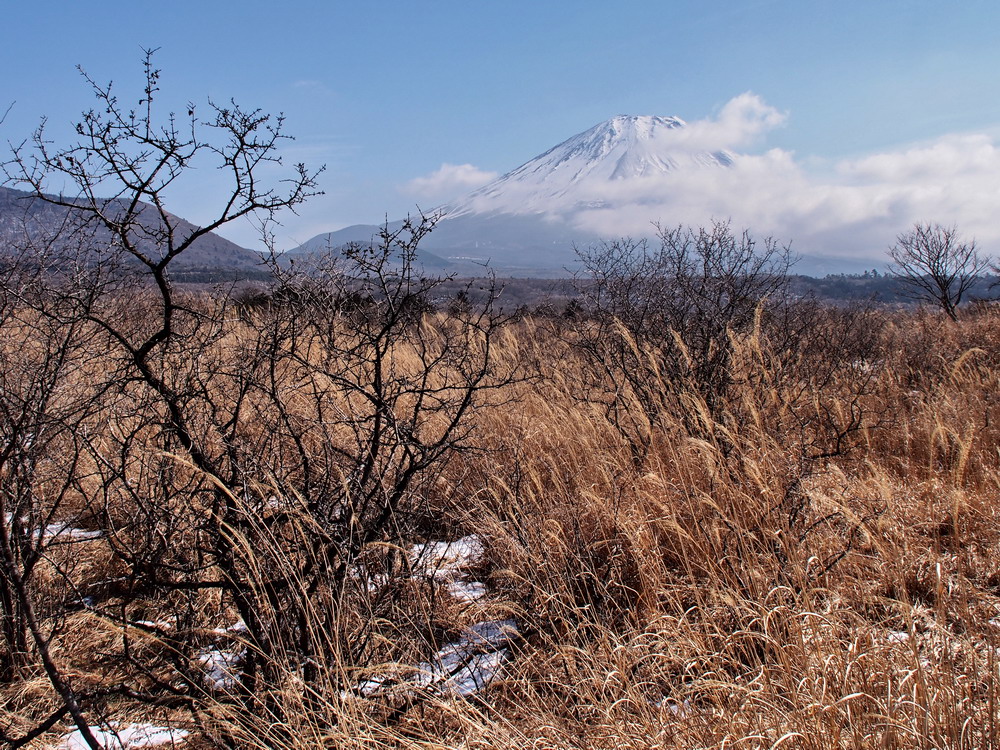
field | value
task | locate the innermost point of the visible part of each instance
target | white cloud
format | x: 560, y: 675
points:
x: 740, y: 123
x: 856, y: 209
x: 850, y: 208
x: 447, y: 182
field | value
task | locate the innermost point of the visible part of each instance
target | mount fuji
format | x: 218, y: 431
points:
x: 577, y: 172
x: 528, y: 221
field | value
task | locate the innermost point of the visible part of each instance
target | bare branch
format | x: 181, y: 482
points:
x: 936, y: 265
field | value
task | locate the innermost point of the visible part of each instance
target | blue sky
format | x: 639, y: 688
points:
x: 384, y: 93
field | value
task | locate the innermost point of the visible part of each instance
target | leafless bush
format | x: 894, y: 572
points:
x: 254, y: 448
x: 663, y: 317
x: 937, y: 266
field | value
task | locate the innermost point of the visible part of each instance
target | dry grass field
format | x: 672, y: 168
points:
x: 808, y: 559
x: 694, y: 509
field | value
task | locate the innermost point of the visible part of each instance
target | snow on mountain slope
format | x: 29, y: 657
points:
x: 529, y: 218
x: 575, y: 173
x: 624, y: 176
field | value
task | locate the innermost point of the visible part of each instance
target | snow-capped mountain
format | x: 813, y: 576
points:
x: 527, y: 220
x: 577, y: 171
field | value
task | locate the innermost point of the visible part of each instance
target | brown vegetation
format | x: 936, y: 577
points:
x: 695, y: 512
x: 767, y: 577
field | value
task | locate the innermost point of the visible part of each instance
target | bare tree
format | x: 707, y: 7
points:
x: 111, y: 288
x: 664, y: 315
x: 251, y: 460
x: 936, y: 265
x: 41, y: 409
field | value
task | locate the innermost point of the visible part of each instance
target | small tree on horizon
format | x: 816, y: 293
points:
x: 936, y: 265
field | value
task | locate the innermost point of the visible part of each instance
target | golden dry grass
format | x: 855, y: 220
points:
x: 728, y: 590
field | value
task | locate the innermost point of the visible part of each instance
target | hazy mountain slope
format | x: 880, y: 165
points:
x: 528, y: 221
x: 367, y: 234
x: 522, y: 222
x: 25, y: 219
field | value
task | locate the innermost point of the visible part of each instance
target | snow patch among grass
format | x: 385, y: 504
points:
x: 460, y: 669
x: 125, y: 737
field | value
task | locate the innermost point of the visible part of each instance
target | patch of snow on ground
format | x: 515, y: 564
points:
x: 461, y: 668
x: 274, y: 502
x: 467, y: 591
x: 369, y: 687
x: 117, y: 737
x: 221, y: 668
x: 447, y: 563
x: 475, y: 675
x: 446, y: 560
x: 235, y: 629
x: 154, y: 624
x: 469, y: 664
x: 63, y: 532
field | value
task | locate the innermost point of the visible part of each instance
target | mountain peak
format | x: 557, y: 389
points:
x: 530, y: 217
x: 642, y: 125
x: 637, y: 143
x: 577, y: 171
